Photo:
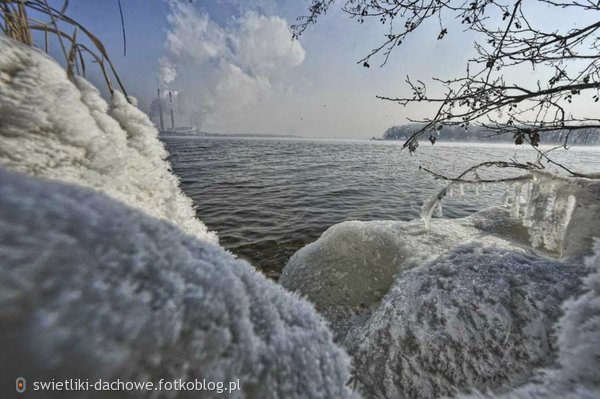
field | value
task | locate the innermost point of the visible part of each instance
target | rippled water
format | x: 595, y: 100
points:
x: 266, y: 198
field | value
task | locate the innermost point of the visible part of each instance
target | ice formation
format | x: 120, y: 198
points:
x: 546, y: 204
x: 427, y: 311
x: 55, y: 129
x: 433, y: 203
x: 354, y: 263
x: 562, y: 214
x: 91, y: 288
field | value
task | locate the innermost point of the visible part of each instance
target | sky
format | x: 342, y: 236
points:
x: 232, y: 67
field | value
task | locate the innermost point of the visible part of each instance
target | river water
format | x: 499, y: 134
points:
x: 267, y: 198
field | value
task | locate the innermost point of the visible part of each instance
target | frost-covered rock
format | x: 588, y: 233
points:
x: 353, y: 264
x: 465, y: 305
x: 90, y: 288
x: 476, y: 318
x: 55, y: 129
x: 579, y: 333
x: 576, y: 373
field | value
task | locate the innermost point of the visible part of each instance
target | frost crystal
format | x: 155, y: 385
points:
x: 477, y: 318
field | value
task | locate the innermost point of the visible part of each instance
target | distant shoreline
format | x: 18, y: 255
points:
x: 259, y: 135
x: 196, y: 133
x: 373, y: 139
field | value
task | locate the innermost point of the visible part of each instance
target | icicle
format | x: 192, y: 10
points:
x: 516, y: 205
x: 526, y: 200
x: 451, y: 192
x: 430, y: 205
x: 550, y: 203
x: 440, y: 211
x: 462, y: 189
x: 567, y: 212
x: 477, y: 189
x: 506, y: 197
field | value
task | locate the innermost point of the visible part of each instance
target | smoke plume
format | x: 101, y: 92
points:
x: 221, y: 69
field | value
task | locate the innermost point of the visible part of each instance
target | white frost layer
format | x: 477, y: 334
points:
x: 90, y: 288
x: 422, y: 316
x: 577, y: 372
x: 54, y: 129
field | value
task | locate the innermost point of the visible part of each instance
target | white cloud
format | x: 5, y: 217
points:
x: 220, y: 69
x: 263, y: 44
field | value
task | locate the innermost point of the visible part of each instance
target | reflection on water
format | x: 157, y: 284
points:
x: 266, y: 198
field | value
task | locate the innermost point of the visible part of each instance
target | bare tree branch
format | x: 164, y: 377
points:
x: 507, y: 38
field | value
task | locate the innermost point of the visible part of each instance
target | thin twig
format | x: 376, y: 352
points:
x: 499, y: 164
x: 123, y: 29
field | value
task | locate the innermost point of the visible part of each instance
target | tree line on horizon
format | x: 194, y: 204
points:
x: 589, y: 136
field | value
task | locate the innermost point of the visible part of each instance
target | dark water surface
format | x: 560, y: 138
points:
x: 267, y: 198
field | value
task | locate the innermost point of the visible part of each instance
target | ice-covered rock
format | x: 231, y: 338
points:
x: 466, y: 304
x: 475, y: 318
x: 353, y: 264
x: 90, y: 288
x: 56, y: 129
x: 579, y: 334
x: 576, y: 373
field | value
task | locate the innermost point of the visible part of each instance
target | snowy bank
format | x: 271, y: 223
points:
x: 467, y: 304
x: 90, y: 288
x: 54, y: 129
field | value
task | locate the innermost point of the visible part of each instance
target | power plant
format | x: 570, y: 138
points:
x: 172, y: 131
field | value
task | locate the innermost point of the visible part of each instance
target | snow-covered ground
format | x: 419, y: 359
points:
x: 91, y: 288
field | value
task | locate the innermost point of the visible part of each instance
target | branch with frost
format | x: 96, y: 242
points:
x: 508, y: 36
x: 436, y: 200
x: 498, y: 164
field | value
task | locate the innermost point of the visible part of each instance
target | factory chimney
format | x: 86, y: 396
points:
x: 160, y: 113
x: 172, y: 117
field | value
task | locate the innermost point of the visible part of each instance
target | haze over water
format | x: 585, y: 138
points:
x: 267, y: 198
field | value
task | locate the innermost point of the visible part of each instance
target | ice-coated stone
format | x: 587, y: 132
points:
x: 467, y: 304
x: 475, y: 318
x: 353, y: 264
x: 576, y: 372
